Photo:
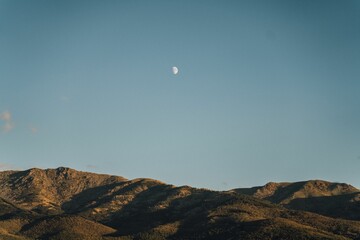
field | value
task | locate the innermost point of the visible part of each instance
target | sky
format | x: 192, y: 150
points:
x: 266, y: 90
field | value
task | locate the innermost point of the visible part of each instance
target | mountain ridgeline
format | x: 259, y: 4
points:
x: 64, y: 203
x: 337, y: 200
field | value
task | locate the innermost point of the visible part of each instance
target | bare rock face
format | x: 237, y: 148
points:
x: 64, y: 203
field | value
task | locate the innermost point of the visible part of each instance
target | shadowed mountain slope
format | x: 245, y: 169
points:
x: 67, y: 204
x: 66, y: 227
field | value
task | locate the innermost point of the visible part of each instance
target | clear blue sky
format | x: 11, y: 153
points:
x: 267, y: 90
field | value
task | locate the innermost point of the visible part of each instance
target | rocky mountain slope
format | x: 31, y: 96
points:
x: 337, y: 200
x: 64, y: 203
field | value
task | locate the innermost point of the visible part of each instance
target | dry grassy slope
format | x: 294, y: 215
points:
x: 331, y: 199
x: 95, y: 205
x: 100, y: 203
x: 48, y: 189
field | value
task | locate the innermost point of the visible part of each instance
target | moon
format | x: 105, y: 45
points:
x: 175, y: 70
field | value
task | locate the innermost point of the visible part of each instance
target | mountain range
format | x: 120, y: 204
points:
x: 64, y: 203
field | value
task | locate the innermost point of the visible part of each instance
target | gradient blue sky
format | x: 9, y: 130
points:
x: 267, y: 90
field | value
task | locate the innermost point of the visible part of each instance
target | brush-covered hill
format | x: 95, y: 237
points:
x: 338, y: 200
x: 64, y: 203
x: 37, y: 189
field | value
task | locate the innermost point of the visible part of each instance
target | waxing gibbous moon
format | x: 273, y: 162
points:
x: 175, y: 70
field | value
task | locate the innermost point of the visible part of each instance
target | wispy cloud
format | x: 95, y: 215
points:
x: 34, y: 129
x: 8, y: 122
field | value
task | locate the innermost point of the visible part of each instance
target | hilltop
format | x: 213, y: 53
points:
x: 338, y: 200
